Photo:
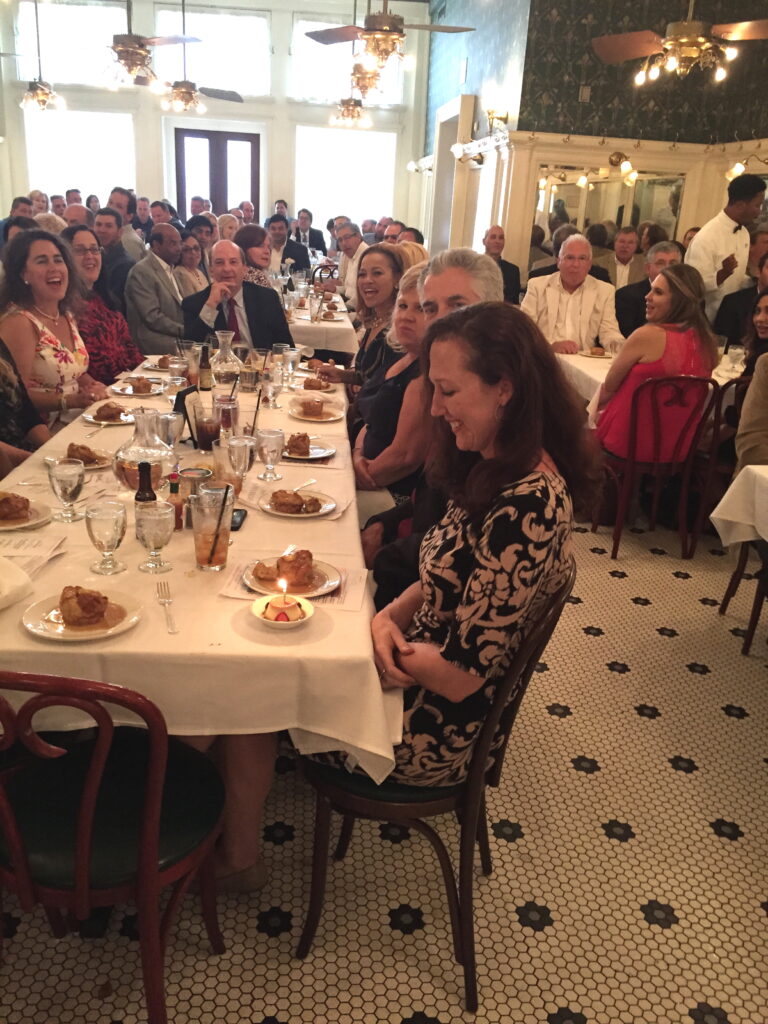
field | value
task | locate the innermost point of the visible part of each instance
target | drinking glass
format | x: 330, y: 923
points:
x: 278, y: 351
x: 192, y: 354
x: 169, y: 427
x: 735, y: 355
x: 242, y: 350
x: 227, y: 412
x: 211, y: 522
x: 207, y: 427
x: 178, y: 366
x: 66, y: 477
x: 249, y: 379
x: 271, y: 386
x: 154, y: 528
x: 106, y: 522
x: 315, y: 305
x: 291, y: 361
x: 270, y: 450
x: 232, y: 460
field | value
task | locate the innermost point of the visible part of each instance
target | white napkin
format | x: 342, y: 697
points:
x: 14, y: 583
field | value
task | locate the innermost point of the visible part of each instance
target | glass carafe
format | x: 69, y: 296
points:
x: 144, y: 446
x: 225, y: 366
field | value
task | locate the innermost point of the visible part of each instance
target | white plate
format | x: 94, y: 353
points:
x: 39, y: 513
x: 325, y: 579
x: 125, y: 418
x: 126, y: 390
x: 316, y: 451
x: 258, y: 606
x: 43, y: 619
x: 149, y: 365
x: 329, y: 415
x: 299, y: 389
x: 328, y: 505
x: 591, y: 355
x: 105, y: 459
x: 337, y: 318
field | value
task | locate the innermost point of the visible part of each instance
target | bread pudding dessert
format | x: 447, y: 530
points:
x: 296, y: 569
x: 110, y: 412
x: 139, y: 385
x: 164, y: 362
x: 327, y: 315
x: 332, y: 305
x: 287, y: 501
x: 315, y: 364
x: 311, y: 407
x: 298, y: 444
x: 301, y: 303
x: 315, y: 384
x: 81, y: 607
x: 311, y: 504
x: 597, y: 350
x: 86, y: 455
x: 13, y: 508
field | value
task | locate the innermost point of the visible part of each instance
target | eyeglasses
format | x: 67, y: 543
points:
x: 190, y: 248
x: 92, y: 250
x: 344, y: 238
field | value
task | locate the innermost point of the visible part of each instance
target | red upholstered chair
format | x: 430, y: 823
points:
x: 356, y: 796
x: 116, y: 817
x: 667, y: 417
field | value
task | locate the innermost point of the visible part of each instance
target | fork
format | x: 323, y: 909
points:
x: 164, y: 598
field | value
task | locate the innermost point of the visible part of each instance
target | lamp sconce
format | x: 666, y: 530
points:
x: 457, y: 151
x: 494, y: 116
x: 414, y: 168
x: 740, y: 167
x: 620, y: 160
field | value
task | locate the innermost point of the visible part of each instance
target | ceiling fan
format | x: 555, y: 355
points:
x: 687, y: 44
x: 383, y: 33
x: 132, y: 51
x: 185, y: 95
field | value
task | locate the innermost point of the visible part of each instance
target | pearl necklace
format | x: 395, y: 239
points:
x: 54, y: 319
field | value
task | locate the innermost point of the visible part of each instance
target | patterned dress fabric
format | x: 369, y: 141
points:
x: 108, y: 340
x: 259, y: 277
x: 17, y: 413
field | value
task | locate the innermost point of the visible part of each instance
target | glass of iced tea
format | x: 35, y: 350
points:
x: 211, y: 520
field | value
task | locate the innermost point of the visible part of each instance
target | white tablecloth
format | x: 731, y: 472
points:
x: 337, y: 335
x: 224, y: 672
x: 743, y: 512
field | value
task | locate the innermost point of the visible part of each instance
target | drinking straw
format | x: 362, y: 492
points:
x: 224, y: 501
x: 234, y: 385
x: 258, y: 400
x: 179, y: 347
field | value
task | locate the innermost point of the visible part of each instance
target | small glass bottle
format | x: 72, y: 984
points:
x: 145, y: 492
x: 176, y: 500
x: 205, y: 382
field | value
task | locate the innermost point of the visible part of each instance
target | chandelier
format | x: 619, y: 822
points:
x: 40, y: 94
x: 351, y: 114
x: 133, y: 59
x: 364, y: 78
x: 383, y: 36
x: 183, y: 98
x: 688, y: 44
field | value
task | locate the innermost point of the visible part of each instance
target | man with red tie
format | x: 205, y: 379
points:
x: 253, y: 314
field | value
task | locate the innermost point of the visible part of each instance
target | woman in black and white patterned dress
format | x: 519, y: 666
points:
x: 511, y: 452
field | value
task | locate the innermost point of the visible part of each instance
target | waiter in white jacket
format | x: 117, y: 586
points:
x: 720, y: 251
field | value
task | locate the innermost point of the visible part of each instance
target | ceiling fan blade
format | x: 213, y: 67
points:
x: 743, y: 31
x: 343, y: 34
x: 170, y: 40
x: 440, y: 28
x: 222, y: 94
x: 626, y: 46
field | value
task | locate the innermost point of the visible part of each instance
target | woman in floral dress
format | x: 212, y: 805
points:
x: 511, y: 452
x: 37, y: 324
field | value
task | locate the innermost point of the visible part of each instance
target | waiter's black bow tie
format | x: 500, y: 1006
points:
x: 738, y: 228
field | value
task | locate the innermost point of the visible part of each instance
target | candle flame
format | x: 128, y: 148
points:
x: 283, y: 585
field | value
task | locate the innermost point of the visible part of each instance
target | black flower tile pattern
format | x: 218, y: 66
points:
x: 734, y: 711
x: 698, y: 669
x: 394, y: 833
x: 618, y: 666
x: 406, y: 919
x: 680, y: 575
x: 661, y: 914
x: 588, y: 848
x: 666, y: 631
x: 599, y: 551
x: 657, y: 551
x: 684, y: 764
x: 534, y: 915
x: 618, y: 574
x: 588, y: 765
x: 593, y: 631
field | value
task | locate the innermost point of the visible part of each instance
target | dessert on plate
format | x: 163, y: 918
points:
x: 283, y: 609
x: 315, y: 384
x: 13, y: 507
x: 110, y: 412
x: 164, y: 362
x: 311, y: 407
x: 287, y: 501
x: 139, y: 385
x: 86, y: 455
x: 298, y: 444
x: 296, y: 569
x: 82, y: 607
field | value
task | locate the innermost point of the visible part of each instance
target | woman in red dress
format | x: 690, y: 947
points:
x: 676, y: 339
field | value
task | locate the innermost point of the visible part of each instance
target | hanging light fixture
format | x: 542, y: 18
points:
x: 383, y: 36
x: 184, y: 95
x: 365, y: 78
x: 351, y: 114
x: 40, y: 95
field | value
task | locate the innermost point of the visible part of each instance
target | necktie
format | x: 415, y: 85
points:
x: 305, y: 239
x: 232, y: 324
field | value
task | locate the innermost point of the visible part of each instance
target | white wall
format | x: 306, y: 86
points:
x: 276, y: 115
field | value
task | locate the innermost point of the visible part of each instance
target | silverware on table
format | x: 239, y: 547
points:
x: 164, y: 598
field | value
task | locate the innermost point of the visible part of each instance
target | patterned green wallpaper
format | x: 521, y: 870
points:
x: 546, y: 43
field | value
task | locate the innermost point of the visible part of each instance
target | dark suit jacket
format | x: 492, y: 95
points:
x: 511, y: 274
x: 630, y: 306
x: 731, y: 319
x: 599, y: 272
x: 266, y: 319
x: 117, y: 264
x: 316, y: 240
x: 298, y: 253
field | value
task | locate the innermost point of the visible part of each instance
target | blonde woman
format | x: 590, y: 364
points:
x: 229, y: 225
x: 40, y: 202
x: 413, y: 253
x: 50, y: 222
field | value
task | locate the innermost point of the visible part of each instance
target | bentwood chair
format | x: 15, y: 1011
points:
x: 356, y: 796
x: 114, y: 818
x: 667, y: 417
x: 761, y: 590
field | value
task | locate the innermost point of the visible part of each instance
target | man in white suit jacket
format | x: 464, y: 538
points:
x: 573, y: 310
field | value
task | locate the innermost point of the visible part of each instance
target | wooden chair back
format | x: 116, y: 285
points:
x: 670, y: 413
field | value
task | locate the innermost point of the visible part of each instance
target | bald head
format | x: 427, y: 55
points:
x: 165, y: 242
x: 76, y: 213
x: 494, y: 241
x: 228, y: 265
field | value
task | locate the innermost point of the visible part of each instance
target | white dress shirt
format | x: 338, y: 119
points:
x: 276, y: 259
x: 566, y: 325
x: 709, y: 247
x: 348, y: 275
x: 622, y: 273
x: 208, y: 316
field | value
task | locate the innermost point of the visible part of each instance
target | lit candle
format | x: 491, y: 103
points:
x: 283, y: 585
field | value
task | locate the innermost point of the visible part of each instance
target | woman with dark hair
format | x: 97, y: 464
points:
x: 253, y: 240
x: 188, y: 275
x: 101, y: 324
x: 21, y: 427
x: 37, y: 323
x: 650, y: 235
x: 510, y: 451
x: 93, y: 203
x: 756, y: 337
x: 676, y: 339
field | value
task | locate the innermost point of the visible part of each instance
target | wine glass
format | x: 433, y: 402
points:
x: 66, y: 477
x: 735, y: 356
x: 242, y: 350
x: 272, y: 385
x: 154, y: 528
x: 291, y: 360
x: 270, y: 450
x: 106, y: 522
x: 170, y: 426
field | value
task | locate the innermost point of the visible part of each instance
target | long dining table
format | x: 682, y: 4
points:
x: 224, y: 672
x: 337, y: 335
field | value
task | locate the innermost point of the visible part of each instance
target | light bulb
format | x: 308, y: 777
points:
x: 554, y: 188
x: 591, y: 187
x: 640, y: 77
x: 653, y: 73
x: 671, y: 62
x: 582, y: 181
x: 632, y: 177
x: 157, y: 87
x: 177, y: 106
x: 731, y: 53
x: 542, y: 183
x: 165, y: 104
x: 365, y: 121
x: 626, y: 166
x: 412, y: 166
x: 457, y: 150
x: 720, y: 74
x: 201, y: 108
x: 59, y: 102
x: 368, y: 60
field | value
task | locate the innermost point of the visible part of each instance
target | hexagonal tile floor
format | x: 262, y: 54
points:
x: 628, y: 837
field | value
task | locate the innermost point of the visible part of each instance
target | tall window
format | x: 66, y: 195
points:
x: 234, y: 51
x: 74, y: 41
x: 97, y: 167
x: 369, y: 192
x: 321, y: 73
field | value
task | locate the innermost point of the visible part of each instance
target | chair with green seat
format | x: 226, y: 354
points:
x: 357, y: 796
x: 114, y: 818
